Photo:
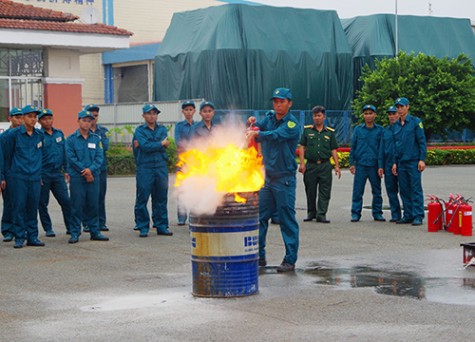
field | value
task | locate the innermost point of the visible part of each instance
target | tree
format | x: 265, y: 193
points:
x: 441, y: 91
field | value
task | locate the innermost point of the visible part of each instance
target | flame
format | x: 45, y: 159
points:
x: 231, y: 168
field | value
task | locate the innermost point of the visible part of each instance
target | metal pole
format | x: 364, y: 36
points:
x: 396, y: 32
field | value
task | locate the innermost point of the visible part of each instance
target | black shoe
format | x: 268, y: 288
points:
x: 285, y: 267
x: 50, y: 233
x: 262, y: 262
x: 379, y: 219
x: 104, y: 229
x: 322, y: 220
x: 99, y: 237
x: 404, y: 221
x: 68, y: 232
x: 165, y: 232
x: 18, y: 244
x: 8, y: 238
x: 308, y: 219
x: 355, y: 218
x: 35, y: 243
x: 143, y: 235
x: 417, y: 222
x: 86, y: 230
x: 394, y: 220
x: 73, y: 239
x: 136, y: 228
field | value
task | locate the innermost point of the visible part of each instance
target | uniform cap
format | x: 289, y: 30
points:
x: 148, y: 107
x: 401, y: 101
x: 15, y: 111
x: 85, y: 114
x: 188, y: 103
x: 30, y: 109
x: 391, y: 109
x: 282, y: 93
x: 206, y: 103
x: 92, y: 107
x: 370, y: 107
x: 45, y: 112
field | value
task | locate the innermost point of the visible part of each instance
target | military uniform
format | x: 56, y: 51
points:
x: 318, y: 169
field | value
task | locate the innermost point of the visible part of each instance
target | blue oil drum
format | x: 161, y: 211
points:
x: 225, y: 248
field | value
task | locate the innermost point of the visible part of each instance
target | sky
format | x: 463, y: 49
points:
x: 353, y: 8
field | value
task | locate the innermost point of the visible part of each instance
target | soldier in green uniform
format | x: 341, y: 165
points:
x: 317, y: 144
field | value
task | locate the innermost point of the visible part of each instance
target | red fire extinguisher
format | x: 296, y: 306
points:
x: 434, y: 214
x: 449, y: 213
x: 465, y: 216
x: 253, y: 142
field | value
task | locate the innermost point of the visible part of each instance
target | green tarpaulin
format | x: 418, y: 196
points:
x: 235, y: 55
x: 373, y: 37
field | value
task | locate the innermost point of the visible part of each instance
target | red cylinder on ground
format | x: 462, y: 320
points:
x: 449, y: 212
x: 466, y: 217
x: 434, y: 217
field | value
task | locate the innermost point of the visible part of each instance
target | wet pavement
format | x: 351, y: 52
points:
x: 361, y: 281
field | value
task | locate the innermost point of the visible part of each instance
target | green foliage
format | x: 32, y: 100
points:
x: 447, y: 157
x: 441, y: 91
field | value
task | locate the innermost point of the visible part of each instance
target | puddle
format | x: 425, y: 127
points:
x: 396, y: 283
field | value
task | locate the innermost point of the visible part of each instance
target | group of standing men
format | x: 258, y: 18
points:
x: 36, y: 161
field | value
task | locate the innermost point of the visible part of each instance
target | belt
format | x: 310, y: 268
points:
x: 318, y: 162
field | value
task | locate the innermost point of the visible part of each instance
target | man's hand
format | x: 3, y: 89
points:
x: 337, y: 172
x: 381, y: 172
x: 251, y: 120
x: 67, y: 177
x: 394, y: 169
x: 3, y: 185
x: 352, y: 169
x: 165, y: 142
x: 302, y: 168
x: 136, y: 143
x: 421, y: 166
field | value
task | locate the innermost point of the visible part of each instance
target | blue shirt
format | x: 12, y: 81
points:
x: 410, y: 140
x: 183, y: 131
x: 279, y: 140
x: 54, y: 152
x: 150, y: 153
x: 387, y: 152
x: 199, y: 130
x: 102, y: 131
x: 365, y: 145
x: 84, y: 153
x: 23, y: 153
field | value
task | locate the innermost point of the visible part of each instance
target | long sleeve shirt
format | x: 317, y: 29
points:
x: 150, y: 153
x: 410, y: 140
x: 365, y: 145
x: 84, y: 153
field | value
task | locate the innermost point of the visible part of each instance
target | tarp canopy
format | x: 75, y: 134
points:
x: 373, y: 37
x: 235, y: 55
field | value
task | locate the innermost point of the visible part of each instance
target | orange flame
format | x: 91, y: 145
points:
x: 234, y: 169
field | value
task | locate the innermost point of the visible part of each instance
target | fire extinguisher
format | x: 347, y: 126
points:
x: 434, y: 214
x: 449, y: 212
x: 253, y: 143
x: 465, y: 216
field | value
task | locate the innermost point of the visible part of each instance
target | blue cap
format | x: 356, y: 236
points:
x: 391, y: 109
x: 45, y: 112
x: 30, y: 109
x: 401, y: 101
x: 15, y: 111
x: 187, y: 103
x: 282, y: 93
x: 85, y: 114
x: 92, y: 107
x: 206, y: 103
x: 148, y: 107
x: 370, y: 107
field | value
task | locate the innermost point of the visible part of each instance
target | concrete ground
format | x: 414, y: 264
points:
x: 364, y: 281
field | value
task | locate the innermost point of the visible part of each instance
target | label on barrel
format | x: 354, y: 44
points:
x: 467, y: 213
x: 224, y: 244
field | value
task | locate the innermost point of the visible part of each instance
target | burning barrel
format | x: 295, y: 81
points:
x: 225, y: 247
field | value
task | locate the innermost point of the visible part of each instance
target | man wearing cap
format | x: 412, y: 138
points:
x: 182, y: 136
x: 53, y: 172
x: 101, y: 131
x: 85, y: 156
x: 23, y: 162
x: 203, y: 128
x: 16, y: 119
x: 385, y: 162
x: 317, y: 145
x: 364, y: 154
x: 279, y: 136
x: 150, y: 143
x: 411, y: 152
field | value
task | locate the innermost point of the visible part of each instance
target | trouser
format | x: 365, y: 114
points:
x: 84, y: 205
x: 55, y: 183
x: 25, y: 203
x: 318, y: 176
x: 410, y: 189
x: 151, y: 182
x: 7, y: 215
x: 182, y: 211
x: 362, y: 174
x: 102, y: 198
x: 279, y: 194
x: 392, y: 189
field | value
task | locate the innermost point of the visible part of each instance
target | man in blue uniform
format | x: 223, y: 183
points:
x: 203, y: 128
x: 23, y: 161
x: 411, y: 152
x: 364, y: 154
x: 279, y: 136
x: 16, y: 120
x: 150, y: 144
x: 85, y: 155
x: 182, y: 136
x: 101, y: 131
x: 53, y: 179
x: 385, y: 163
